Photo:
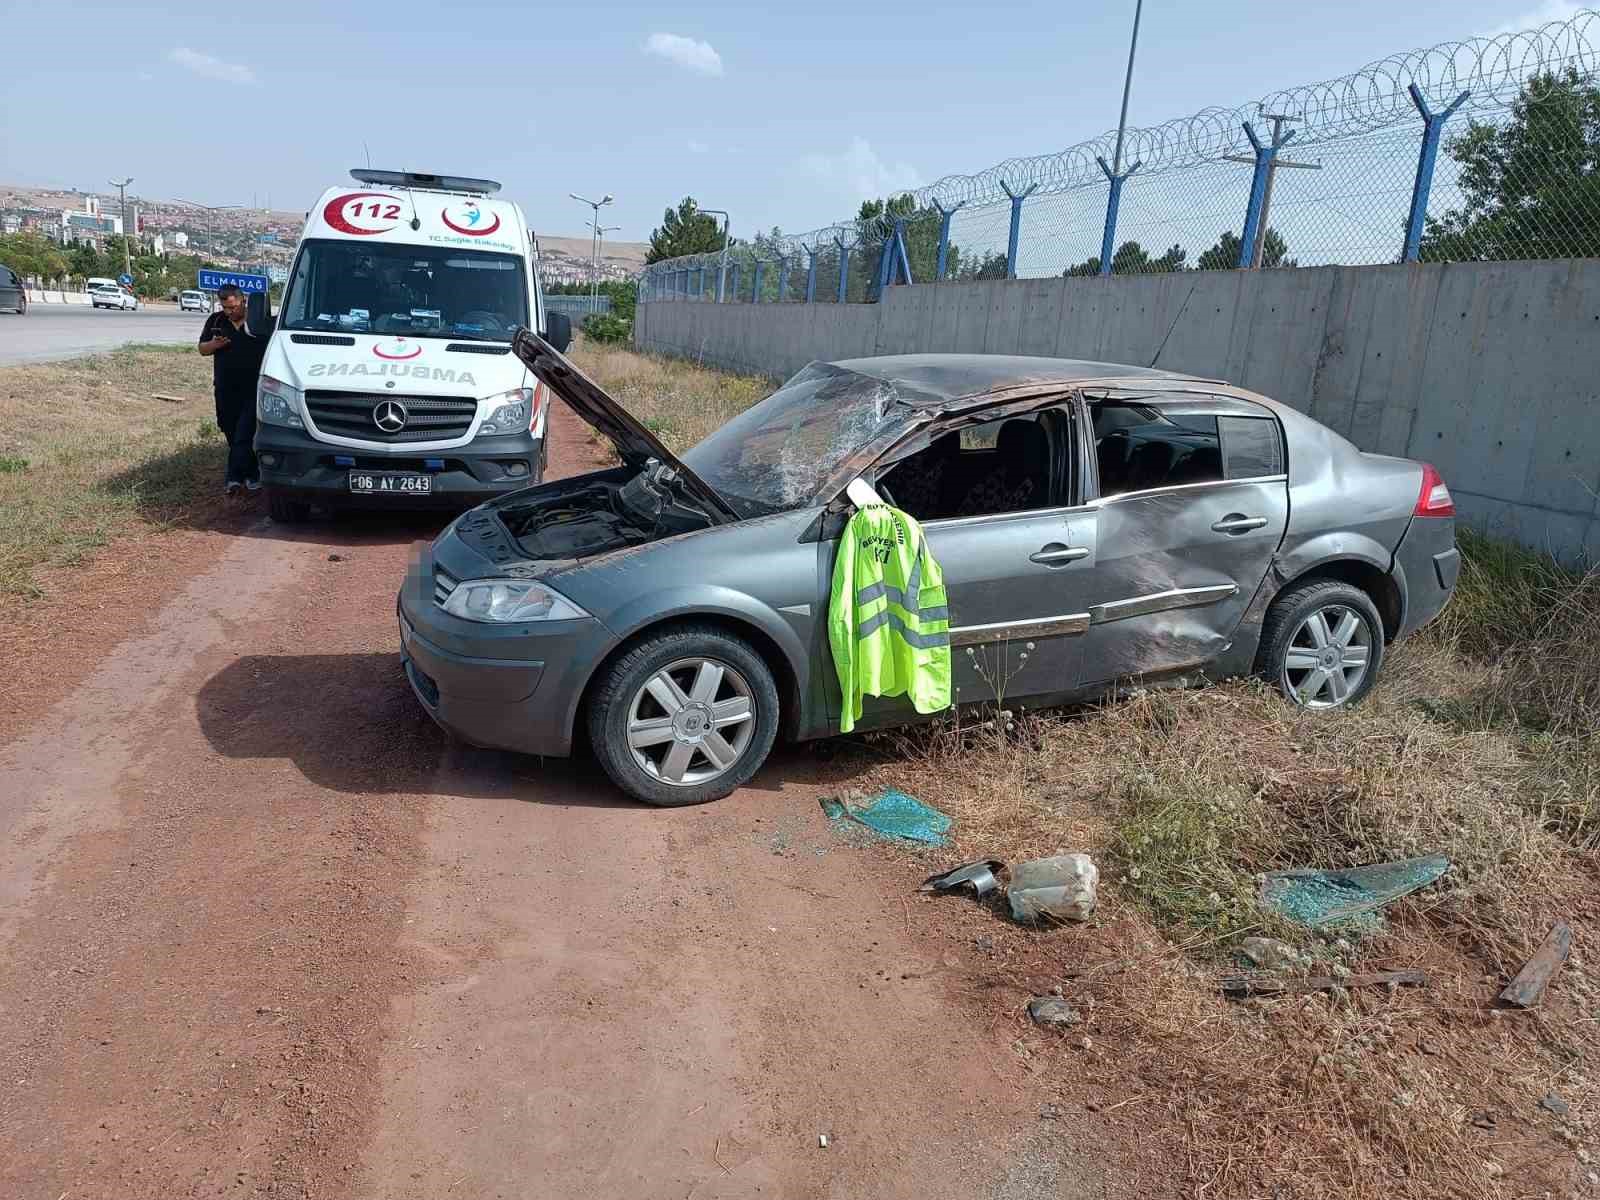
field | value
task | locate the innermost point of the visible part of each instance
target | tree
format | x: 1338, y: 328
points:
x: 33, y: 256
x: 684, y: 230
x: 1132, y: 259
x: 83, y: 262
x: 1224, y: 256
x: 1531, y: 187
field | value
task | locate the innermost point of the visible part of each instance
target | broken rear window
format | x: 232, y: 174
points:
x: 787, y: 451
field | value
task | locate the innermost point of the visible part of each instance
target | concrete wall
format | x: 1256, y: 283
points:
x: 1491, y: 371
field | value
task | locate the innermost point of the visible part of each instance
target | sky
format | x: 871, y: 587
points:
x: 785, y: 117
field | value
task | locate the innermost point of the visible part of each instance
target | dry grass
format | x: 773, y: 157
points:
x: 677, y: 401
x: 87, y: 454
x: 1482, y: 743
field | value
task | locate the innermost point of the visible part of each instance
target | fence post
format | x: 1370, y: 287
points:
x: 944, y: 238
x: 1258, y: 192
x: 1016, y: 224
x: 844, y: 266
x: 1108, y: 239
x: 783, y: 278
x: 900, y: 249
x: 699, y: 283
x: 733, y: 289
x: 755, y: 289
x: 1432, y: 128
x: 885, y: 264
x: 811, y: 275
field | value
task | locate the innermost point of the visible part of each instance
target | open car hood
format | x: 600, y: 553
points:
x: 635, y: 444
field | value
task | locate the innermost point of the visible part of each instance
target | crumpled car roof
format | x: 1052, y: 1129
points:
x: 944, y: 377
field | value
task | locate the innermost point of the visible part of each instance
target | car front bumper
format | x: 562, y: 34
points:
x: 503, y: 687
x: 297, y: 466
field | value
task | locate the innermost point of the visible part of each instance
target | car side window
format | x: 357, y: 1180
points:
x: 1252, y: 447
x: 7, y: 279
x: 1143, y: 446
x: 1005, y: 466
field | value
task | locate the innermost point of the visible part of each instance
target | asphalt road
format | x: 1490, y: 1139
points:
x: 62, y: 331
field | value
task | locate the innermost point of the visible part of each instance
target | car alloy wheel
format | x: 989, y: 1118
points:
x: 1328, y: 657
x: 691, y: 721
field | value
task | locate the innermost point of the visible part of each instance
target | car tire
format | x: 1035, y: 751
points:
x: 1322, y: 645
x: 676, y: 664
x: 286, y: 511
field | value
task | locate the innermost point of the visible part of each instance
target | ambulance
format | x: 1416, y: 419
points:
x: 389, y: 380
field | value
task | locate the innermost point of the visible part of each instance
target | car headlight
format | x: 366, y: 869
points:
x: 510, y: 600
x: 509, y: 412
x: 277, y: 403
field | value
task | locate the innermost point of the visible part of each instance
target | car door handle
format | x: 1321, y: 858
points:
x: 1238, y: 523
x: 1057, y: 555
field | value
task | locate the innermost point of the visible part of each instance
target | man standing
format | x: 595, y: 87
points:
x: 235, y: 350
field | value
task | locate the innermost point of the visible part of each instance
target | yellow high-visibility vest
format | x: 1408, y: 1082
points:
x: 888, y: 617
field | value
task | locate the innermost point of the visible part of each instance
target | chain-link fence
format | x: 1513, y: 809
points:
x: 1481, y: 149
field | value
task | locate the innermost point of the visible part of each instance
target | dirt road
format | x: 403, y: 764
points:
x: 264, y: 931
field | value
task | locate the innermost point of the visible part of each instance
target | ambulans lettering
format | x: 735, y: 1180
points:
x: 411, y: 370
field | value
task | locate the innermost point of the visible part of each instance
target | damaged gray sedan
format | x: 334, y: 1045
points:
x: 1097, y: 525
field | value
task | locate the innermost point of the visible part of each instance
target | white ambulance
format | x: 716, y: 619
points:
x: 389, y: 379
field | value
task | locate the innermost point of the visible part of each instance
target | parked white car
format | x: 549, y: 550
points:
x: 111, y: 296
x: 192, y: 301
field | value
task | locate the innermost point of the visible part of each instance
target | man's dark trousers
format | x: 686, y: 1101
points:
x: 236, y: 417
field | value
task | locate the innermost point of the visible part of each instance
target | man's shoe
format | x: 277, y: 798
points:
x: 252, y: 485
x: 231, y: 488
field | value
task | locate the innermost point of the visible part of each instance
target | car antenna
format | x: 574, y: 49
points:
x: 411, y: 196
x: 1173, y: 326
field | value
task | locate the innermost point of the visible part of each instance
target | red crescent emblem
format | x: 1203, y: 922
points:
x: 444, y: 215
x: 333, y: 212
x: 399, y: 342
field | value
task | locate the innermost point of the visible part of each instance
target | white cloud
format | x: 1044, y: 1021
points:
x: 145, y: 77
x: 691, y: 55
x: 858, y: 173
x: 210, y: 66
x: 698, y: 147
x: 1549, y: 10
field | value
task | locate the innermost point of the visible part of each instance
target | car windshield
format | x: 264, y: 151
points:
x: 418, y: 291
x: 786, y: 451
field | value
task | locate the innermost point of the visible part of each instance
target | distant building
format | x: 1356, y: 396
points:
x: 158, y: 245
x: 11, y: 223
x: 88, y: 224
x: 180, y: 240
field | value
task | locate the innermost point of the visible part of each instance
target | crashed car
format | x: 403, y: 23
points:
x: 1096, y: 524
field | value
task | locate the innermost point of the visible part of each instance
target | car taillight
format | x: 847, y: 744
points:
x: 1435, y: 499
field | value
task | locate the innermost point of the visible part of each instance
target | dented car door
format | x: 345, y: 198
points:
x: 1193, y: 503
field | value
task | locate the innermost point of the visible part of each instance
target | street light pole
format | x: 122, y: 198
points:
x: 1127, y: 85
x: 722, y: 268
x: 600, y: 232
x: 122, y: 192
x: 594, y: 245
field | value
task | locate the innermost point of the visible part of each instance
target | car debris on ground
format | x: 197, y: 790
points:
x: 1527, y: 989
x: 1238, y: 986
x: 1060, y: 888
x: 981, y: 876
x: 1317, y: 898
x: 891, y: 814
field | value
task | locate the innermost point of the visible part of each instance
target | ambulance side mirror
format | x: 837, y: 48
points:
x: 558, y: 330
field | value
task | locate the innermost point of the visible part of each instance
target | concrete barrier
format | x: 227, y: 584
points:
x: 1491, y: 371
x: 52, y: 296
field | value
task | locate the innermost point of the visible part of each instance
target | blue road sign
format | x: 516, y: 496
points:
x: 125, y: 279
x: 210, y: 281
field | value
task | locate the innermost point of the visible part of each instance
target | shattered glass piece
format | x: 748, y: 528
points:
x: 1317, y: 898
x: 893, y: 814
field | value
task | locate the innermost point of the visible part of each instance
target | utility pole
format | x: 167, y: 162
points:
x: 122, y: 192
x: 594, y: 245
x: 1273, y: 162
x: 1127, y: 86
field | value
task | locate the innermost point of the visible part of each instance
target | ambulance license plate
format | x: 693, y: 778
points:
x: 369, y: 483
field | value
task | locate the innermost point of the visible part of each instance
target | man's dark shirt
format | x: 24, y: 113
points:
x: 237, y: 364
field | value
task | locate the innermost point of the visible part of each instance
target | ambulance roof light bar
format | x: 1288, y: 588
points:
x: 421, y: 179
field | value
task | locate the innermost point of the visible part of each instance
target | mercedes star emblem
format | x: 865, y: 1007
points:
x: 389, y: 416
